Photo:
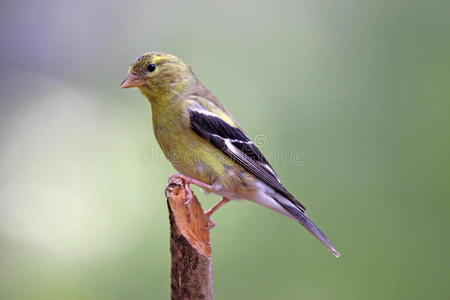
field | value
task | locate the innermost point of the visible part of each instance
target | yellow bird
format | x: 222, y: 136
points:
x: 205, y: 143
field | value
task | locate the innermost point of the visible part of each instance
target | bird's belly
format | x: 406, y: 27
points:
x: 189, y: 154
x: 192, y: 156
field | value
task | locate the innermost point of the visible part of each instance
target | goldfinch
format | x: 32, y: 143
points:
x: 205, y: 143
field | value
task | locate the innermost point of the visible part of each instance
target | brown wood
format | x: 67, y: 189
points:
x: 191, y: 270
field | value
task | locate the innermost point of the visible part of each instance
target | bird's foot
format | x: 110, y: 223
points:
x: 211, y: 223
x: 210, y: 211
x: 187, y: 182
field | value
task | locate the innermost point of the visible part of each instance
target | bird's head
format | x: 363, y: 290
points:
x: 157, y: 73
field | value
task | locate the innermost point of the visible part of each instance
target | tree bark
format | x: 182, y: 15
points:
x: 191, y: 270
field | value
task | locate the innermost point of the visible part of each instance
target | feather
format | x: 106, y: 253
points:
x: 234, y: 143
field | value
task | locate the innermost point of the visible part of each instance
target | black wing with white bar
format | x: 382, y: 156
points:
x: 234, y: 143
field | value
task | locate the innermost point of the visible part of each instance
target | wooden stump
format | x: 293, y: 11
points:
x: 191, y: 270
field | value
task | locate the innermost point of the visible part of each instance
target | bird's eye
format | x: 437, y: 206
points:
x: 151, y: 67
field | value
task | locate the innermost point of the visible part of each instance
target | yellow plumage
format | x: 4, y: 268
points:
x: 170, y: 99
x: 204, y: 142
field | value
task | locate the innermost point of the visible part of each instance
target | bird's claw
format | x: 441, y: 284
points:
x: 211, y: 223
x: 167, y: 190
x: 187, y: 185
x: 188, y: 200
x: 189, y: 194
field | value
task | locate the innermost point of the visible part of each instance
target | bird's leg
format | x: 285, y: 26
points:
x: 187, y: 182
x: 210, y: 211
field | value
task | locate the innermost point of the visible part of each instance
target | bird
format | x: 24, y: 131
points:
x: 205, y: 144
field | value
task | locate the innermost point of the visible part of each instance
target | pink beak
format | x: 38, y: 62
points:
x: 132, y: 80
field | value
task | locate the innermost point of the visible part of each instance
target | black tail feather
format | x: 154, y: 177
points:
x: 309, y: 225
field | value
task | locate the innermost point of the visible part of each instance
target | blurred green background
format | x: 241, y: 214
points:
x: 360, y: 89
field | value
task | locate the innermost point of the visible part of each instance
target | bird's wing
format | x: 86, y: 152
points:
x: 236, y: 144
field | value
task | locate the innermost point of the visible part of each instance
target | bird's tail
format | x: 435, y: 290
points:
x: 311, y: 227
x: 286, y: 207
x: 301, y: 217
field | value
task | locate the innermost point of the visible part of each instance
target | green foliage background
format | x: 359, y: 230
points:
x: 359, y: 88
